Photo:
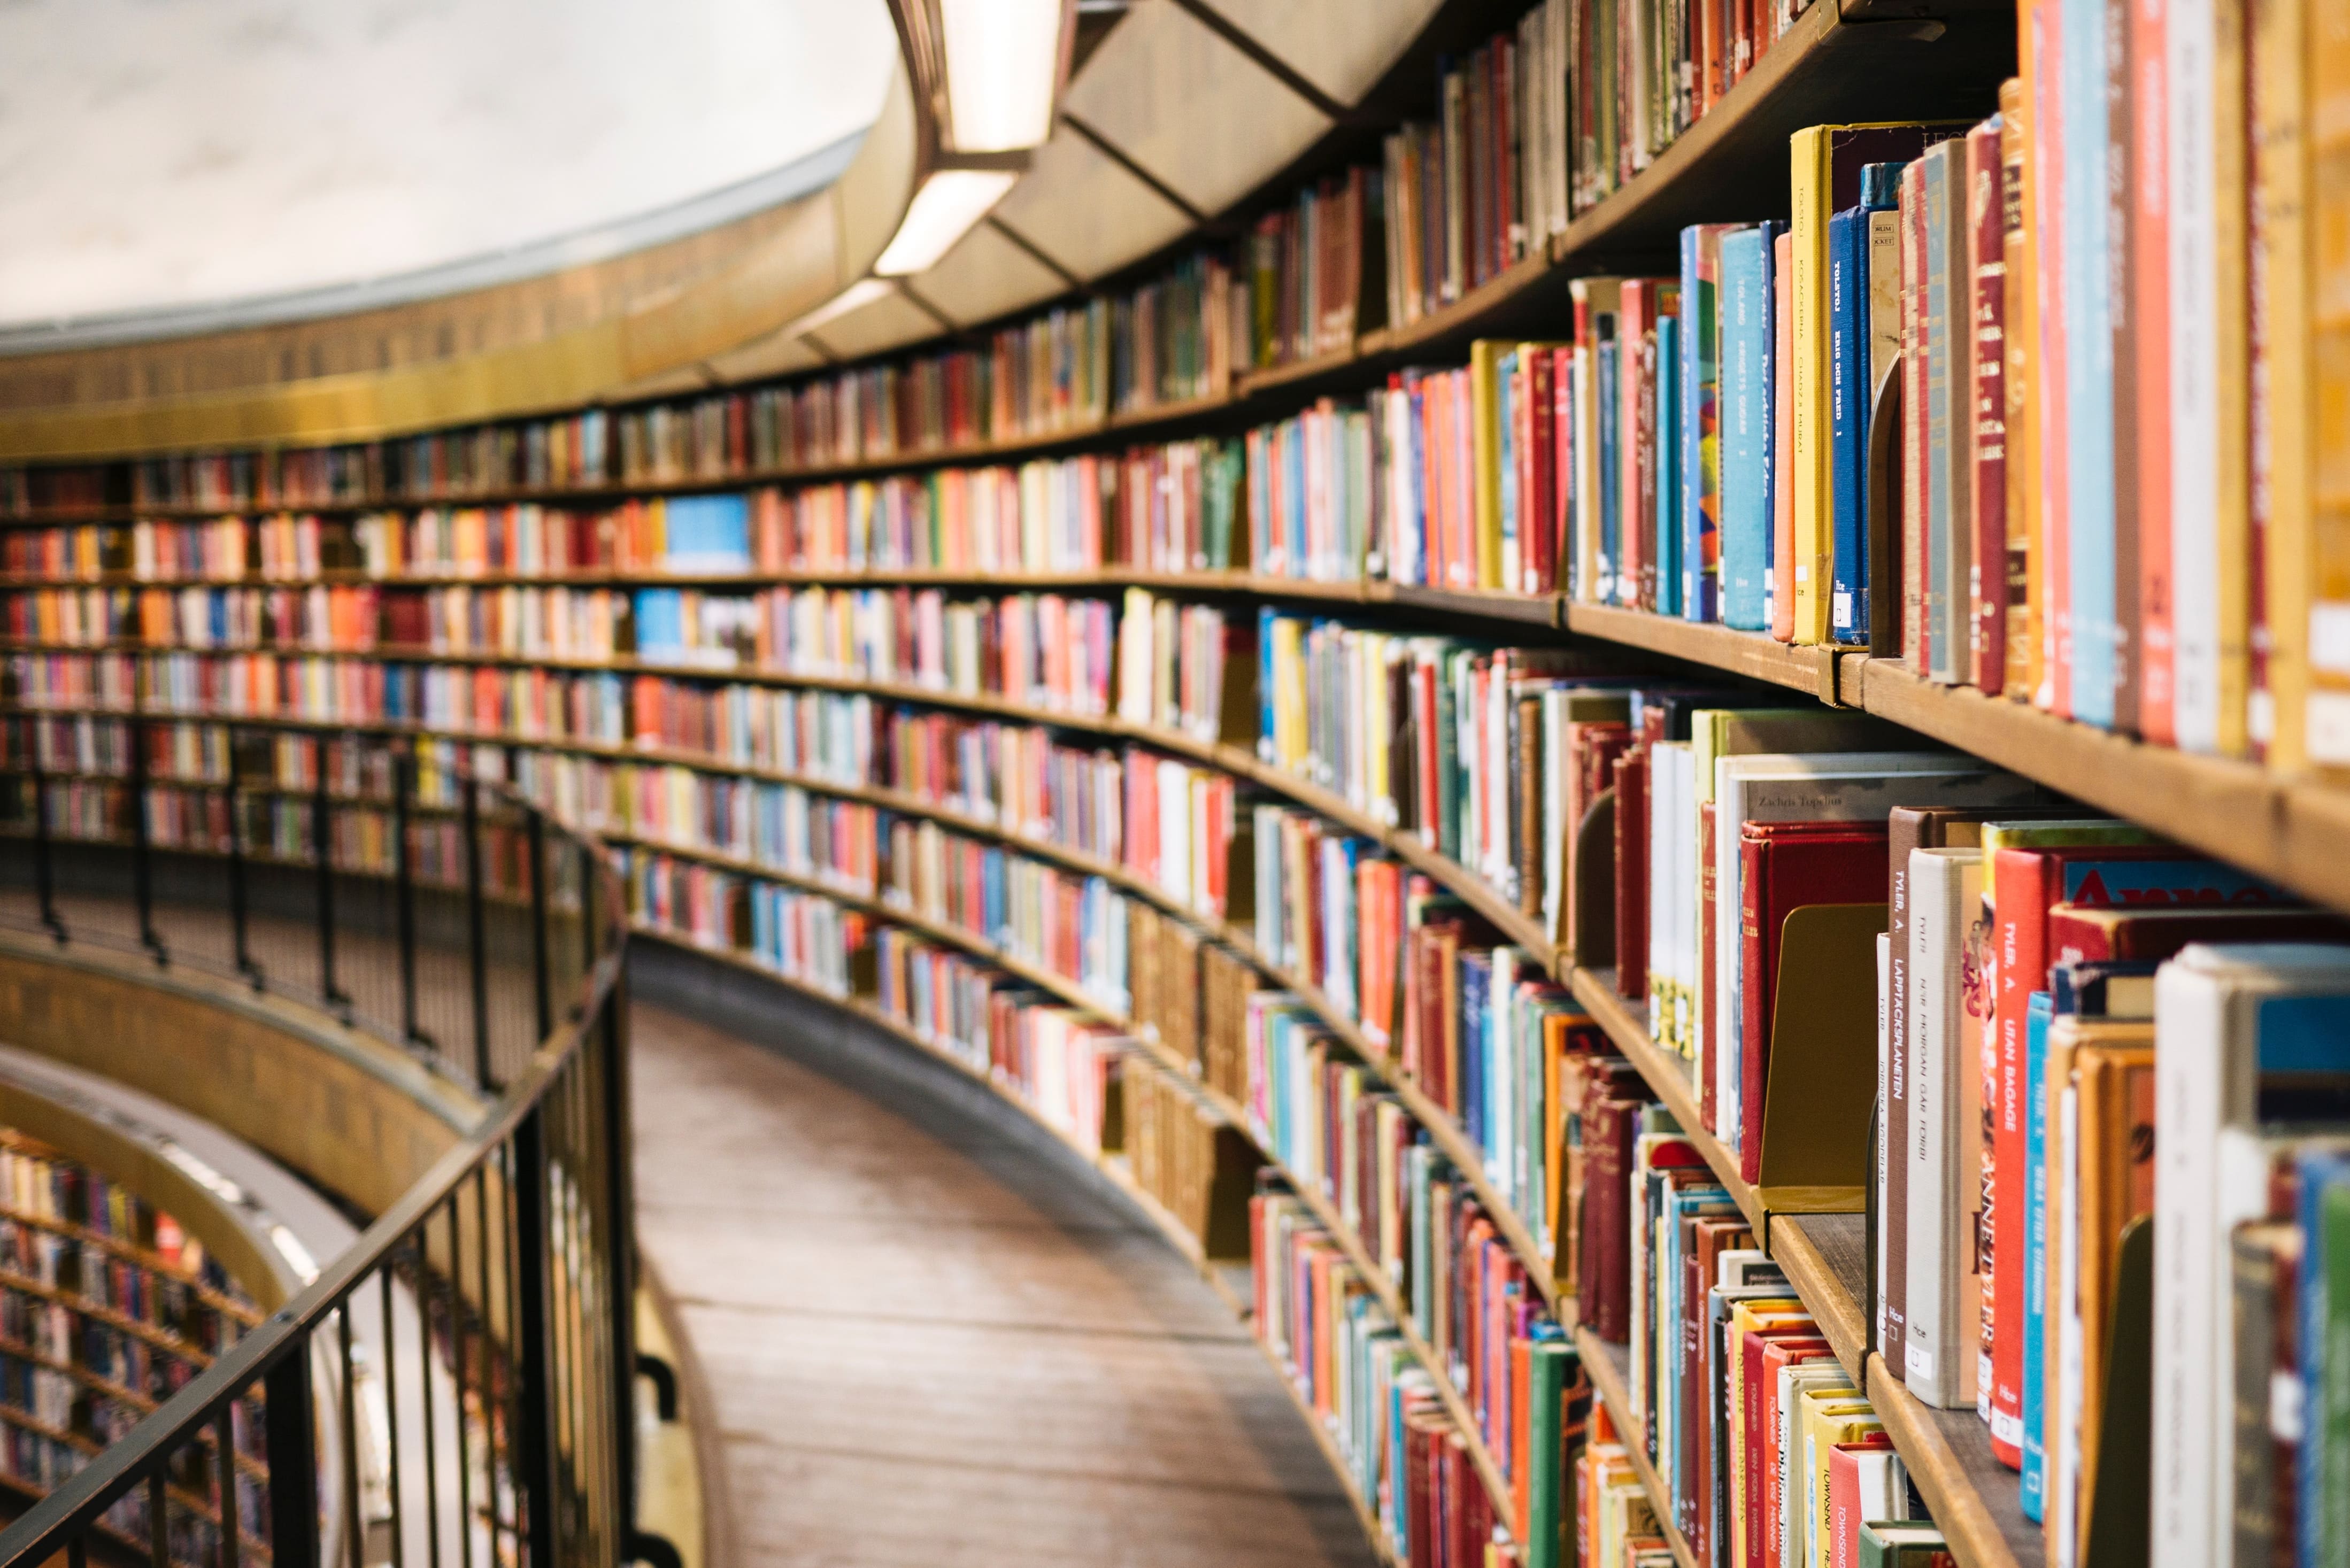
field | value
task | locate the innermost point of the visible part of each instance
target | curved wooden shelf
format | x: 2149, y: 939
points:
x: 1611, y: 1379
x: 154, y: 1263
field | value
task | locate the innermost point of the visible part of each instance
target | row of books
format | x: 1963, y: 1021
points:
x: 314, y: 618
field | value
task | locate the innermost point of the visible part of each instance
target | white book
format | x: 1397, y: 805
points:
x: 1941, y: 1139
x: 1662, y: 884
x: 2213, y: 1005
x: 1682, y: 764
x: 1825, y: 787
x: 2189, y: 56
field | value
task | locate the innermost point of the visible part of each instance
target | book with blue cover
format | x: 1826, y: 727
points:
x: 706, y: 532
x: 1748, y: 301
x: 1611, y: 471
x: 1701, y: 353
x: 1851, y: 392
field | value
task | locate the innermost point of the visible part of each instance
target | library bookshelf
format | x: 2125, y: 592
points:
x: 1835, y: 62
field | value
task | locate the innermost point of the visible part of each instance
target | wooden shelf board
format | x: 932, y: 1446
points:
x: 1745, y: 653
x: 1608, y: 1366
x: 1627, y: 1029
x: 1825, y: 1259
x: 1495, y: 605
x: 2296, y: 832
x: 1973, y: 1498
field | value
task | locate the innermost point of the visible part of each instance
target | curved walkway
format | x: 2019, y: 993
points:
x: 934, y: 1338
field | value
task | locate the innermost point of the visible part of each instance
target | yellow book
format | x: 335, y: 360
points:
x: 2281, y: 92
x: 1823, y: 175
x: 2324, y: 724
x: 1746, y: 1318
x: 1486, y: 453
x: 1826, y: 1422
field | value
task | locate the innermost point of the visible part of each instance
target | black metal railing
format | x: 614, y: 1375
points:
x: 455, y: 1390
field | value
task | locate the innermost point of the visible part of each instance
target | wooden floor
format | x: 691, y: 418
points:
x: 934, y: 1339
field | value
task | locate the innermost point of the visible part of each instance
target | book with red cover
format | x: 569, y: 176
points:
x: 2087, y: 933
x: 1610, y: 1127
x: 1845, y: 1514
x: 1632, y: 874
x: 1784, y: 867
x: 2021, y: 885
x: 1709, y: 1026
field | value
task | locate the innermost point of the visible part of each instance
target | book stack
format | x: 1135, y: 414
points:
x: 1312, y: 270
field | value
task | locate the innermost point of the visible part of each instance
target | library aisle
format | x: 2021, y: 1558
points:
x: 933, y: 1338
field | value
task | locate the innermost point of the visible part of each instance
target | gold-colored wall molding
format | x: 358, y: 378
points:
x: 561, y: 340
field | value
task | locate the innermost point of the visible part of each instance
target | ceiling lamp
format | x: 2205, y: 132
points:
x: 1003, y: 66
x: 950, y: 202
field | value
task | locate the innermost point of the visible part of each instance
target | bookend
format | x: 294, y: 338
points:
x: 1821, y: 1085
x: 2120, y: 1495
x: 1234, y: 1179
x: 1594, y: 885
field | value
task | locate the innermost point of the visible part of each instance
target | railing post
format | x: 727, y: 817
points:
x: 45, y: 883
x: 477, y: 950
x: 322, y: 845
x: 536, y: 1373
x: 540, y: 978
x: 142, y: 872
x: 403, y: 773
x: 236, y: 911
x: 291, y: 1433
x: 611, y: 1038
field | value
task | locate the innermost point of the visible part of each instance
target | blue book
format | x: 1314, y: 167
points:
x: 1849, y: 401
x: 1609, y: 395
x: 1746, y: 349
x: 1476, y: 975
x: 707, y: 533
x: 1291, y: 436
x: 660, y: 621
x: 1265, y: 617
x: 1667, y: 550
x: 2087, y: 320
x: 2039, y: 1013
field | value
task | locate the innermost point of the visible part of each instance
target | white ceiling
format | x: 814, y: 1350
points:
x: 157, y: 155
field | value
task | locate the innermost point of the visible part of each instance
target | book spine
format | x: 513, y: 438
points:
x: 1745, y: 428
x: 1917, y: 419
x: 1812, y: 501
x: 1927, y: 1362
x: 1779, y: 577
x: 1943, y: 649
x: 2019, y: 379
x: 2048, y: 196
x: 1847, y: 424
x: 2088, y: 315
x: 1986, y: 251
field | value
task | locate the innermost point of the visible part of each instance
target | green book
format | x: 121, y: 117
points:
x: 1547, y: 1522
x: 1903, y: 1543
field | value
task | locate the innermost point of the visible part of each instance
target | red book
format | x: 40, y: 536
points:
x: 1785, y: 865
x: 1423, y: 1438
x: 1845, y: 1512
x: 1986, y: 251
x: 2022, y: 886
x: 2079, y: 933
x: 1709, y: 1025
x: 1632, y: 874
x: 1561, y: 530
x: 1538, y: 472
x: 1610, y: 1129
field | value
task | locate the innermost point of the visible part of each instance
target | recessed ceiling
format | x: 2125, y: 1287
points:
x: 166, y: 156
